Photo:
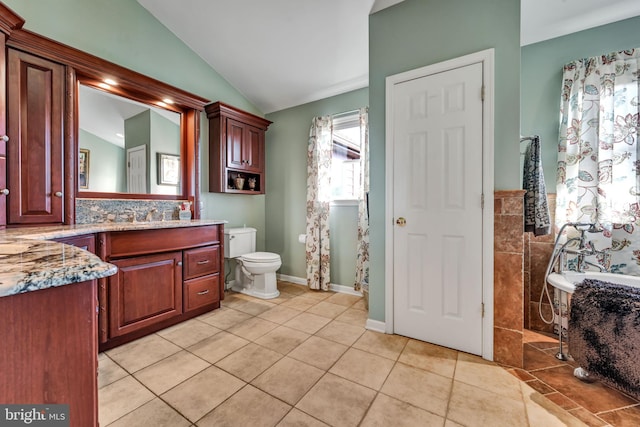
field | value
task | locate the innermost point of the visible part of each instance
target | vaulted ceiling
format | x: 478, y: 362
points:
x: 283, y: 53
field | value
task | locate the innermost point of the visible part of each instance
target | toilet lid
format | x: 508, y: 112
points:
x: 261, y: 257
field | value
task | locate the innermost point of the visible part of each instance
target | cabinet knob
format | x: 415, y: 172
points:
x: 5, y: 138
x: 5, y: 191
x: 58, y: 194
x: 179, y: 263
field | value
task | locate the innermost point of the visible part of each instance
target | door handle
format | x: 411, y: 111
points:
x: 401, y: 222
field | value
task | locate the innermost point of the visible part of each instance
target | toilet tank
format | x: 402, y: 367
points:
x: 239, y: 241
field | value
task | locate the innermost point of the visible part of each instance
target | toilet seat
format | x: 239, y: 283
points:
x: 261, y: 257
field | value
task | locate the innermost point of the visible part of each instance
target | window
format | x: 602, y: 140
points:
x: 345, y: 163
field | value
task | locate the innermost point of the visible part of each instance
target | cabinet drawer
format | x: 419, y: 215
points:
x: 201, y: 291
x: 201, y: 261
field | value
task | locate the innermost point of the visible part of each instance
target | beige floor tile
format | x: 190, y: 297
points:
x: 282, y: 298
x: 449, y: 423
x: 254, y: 307
x: 188, y: 333
x: 108, y: 371
x: 143, y: 352
x: 201, y: 393
x: 288, y: 379
x: 307, y: 322
x: 543, y: 412
x: 327, y: 309
x: 360, y: 305
x: 478, y: 372
x: 297, y: 418
x: 343, y: 299
x: 282, y: 339
x: 218, y: 346
x: 291, y: 288
x: 224, y: 318
x: 354, y: 316
x: 249, y: 362
x: 341, y: 332
x: 279, y: 314
x: 300, y: 302
x: 252, y: 328
x: 420, y: 388
x: 472, y: 406
x: 317, y: 295
x: 386, y: 345
x: 248, y: 407
x: 155, y: 413
x: 318, y: 352
x: 336, y: 401
x: 121, y: 397
x: 430, y: 357
x: 169, y: 372
x: 387, y: 411
x: 363, y: 368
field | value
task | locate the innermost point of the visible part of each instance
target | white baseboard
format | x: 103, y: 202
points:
x: 376, y: 326
x: 335, y: 288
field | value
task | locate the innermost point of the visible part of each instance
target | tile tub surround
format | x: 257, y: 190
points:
x: 29, y: 262
x: 247, y: 364
x: 508, y: 282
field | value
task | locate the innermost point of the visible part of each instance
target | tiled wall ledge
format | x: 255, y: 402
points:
x: 97, y: 211
x: 508, y: 282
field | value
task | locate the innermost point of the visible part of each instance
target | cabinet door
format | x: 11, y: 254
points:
x: 235, y: 144
x: 253, y: 148
x: 145, y: 290
x: 3, y: 132
x: 35, y: 106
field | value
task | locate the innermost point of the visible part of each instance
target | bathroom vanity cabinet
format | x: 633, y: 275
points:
x: 236, y: 150
x: 165, y: 276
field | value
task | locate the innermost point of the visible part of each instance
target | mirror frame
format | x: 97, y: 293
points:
x: 84, y: 68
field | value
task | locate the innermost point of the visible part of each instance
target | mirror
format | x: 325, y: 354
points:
x: 126, y: 146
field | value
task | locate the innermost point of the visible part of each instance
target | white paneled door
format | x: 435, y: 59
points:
x: 437, y: 208
x: 137, y: 169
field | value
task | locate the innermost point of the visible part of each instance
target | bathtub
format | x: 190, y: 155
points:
x: 567, y: 280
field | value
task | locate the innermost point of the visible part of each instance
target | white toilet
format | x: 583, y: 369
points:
x: 255, y: 271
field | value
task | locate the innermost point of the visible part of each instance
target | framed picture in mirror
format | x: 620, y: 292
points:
x: 83, y: 168
x: 168, y: 169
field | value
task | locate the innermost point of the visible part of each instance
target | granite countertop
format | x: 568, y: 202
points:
x: 29, y: 262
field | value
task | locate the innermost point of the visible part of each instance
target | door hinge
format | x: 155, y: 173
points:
x: 482, y: 201
x: 482, y: 93
x: 482, y: 308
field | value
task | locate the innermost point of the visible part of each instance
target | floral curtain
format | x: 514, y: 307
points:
x: 318, y: 197
x: 362, y: 259
x: 598, y: 163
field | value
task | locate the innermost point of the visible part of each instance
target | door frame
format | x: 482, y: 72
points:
x: 487, y: 58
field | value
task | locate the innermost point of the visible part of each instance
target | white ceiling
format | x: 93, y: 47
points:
x: 283, y: 53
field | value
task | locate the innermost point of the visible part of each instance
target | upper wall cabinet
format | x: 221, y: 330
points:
x: 236, y: 150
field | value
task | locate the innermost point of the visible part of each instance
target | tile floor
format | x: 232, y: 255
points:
x: 305, y: 359
x: 595, y: 404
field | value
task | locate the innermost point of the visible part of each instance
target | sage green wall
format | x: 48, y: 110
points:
x: 416, y: 33
x: 123, y: 32
x: 541, y: 80
x: 286, y: 151
x: 107, y: 170
x: 164, y: 134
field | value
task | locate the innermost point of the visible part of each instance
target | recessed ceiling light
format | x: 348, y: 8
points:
x: 110, y: 81
x: 104, y: 86
x: 168, y: 101
x: 162, y: 104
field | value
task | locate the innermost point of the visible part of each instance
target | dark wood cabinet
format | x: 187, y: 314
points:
x: 165, y: 276
x: 50, y: 350
x: 145, y: 290
x: 35, y: 114
x: 236, y: 150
